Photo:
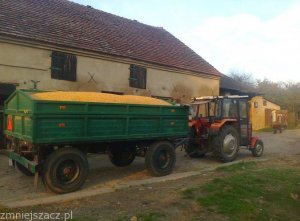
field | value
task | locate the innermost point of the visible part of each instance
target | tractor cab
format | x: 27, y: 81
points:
x: 220, y: 124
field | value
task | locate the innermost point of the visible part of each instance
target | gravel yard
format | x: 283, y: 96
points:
x: 15, y: 187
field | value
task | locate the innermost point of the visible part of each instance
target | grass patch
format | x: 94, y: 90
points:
x: 151, y: 216
x: 123, y: 218
x: 251, y: 194
x: 290, y: 127
x: 85, y: 219
x: 238, y: 167
x: 189, y: 193
x: 148, y: 216
x: 3, y: 209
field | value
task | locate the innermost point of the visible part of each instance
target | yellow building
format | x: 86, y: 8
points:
x: 260, y: 112
x: 60, y: 45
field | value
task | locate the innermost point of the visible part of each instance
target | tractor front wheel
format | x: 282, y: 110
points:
x: 226, y: 145
x: 258, y: 150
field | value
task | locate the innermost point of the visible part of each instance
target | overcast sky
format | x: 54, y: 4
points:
x: 261, y: 37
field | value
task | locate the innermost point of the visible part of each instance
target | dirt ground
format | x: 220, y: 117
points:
x: 162, y: 198
x: 279, y: 149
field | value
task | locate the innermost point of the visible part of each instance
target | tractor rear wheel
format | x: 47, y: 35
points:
x: 161, y: 158
x: 226, y: 145
x: 258, y: 150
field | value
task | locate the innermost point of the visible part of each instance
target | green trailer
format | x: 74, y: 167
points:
x: 53, y: 137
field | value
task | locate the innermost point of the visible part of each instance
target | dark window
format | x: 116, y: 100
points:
x: 243, y: 108
x: 63, y: 66
x: 265, y: 103
x: 229, y: 108
x: 138, y: 77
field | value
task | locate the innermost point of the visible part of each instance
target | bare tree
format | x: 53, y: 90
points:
x: 245, y: 79
x: 286, y: 94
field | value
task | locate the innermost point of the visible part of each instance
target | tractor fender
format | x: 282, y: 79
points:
x: 253, y: 141
x: 192, y: 123
x: 195, y: 125
x: 216, y: 126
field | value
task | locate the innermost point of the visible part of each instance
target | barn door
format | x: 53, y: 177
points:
x: 268, y: 118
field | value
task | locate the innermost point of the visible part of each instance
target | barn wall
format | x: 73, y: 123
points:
x: 21, y: 64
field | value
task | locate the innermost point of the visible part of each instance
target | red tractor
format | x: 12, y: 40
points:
x: 221, y: 125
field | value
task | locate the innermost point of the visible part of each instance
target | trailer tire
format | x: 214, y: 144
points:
x: 24, y: 170
x: 258, y: 150
x: 121, y: 157
x: 226, y: 144
x: 65, y: 170
x: 161, y: 158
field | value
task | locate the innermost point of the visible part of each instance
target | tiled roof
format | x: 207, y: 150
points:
x: 65, y: 23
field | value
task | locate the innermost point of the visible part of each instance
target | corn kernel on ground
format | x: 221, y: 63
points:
x: 97, y: 98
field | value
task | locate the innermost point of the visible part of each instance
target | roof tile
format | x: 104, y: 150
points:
x: 66, y: 23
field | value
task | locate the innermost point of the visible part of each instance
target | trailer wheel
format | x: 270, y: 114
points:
x: 161, y: 158
x: 258, y: 150
x: 65, y: 170
x: 121, y: 157
x: 226, y: 145
x: 24, y: 170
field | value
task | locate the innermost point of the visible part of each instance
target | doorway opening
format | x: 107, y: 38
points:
x: 6, y: 89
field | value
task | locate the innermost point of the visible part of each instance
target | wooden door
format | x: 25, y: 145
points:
x: 268, y: 117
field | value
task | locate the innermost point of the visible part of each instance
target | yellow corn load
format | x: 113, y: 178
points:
x: 97, y: 98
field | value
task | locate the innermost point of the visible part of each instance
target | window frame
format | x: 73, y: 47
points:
x: 265, y: 103
x: 229, y: 108
x: 137, y: 76
x: 243, y: 113
x: 63, y: 66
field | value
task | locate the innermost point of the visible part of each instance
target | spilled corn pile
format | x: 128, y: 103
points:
x: 97, y: 97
